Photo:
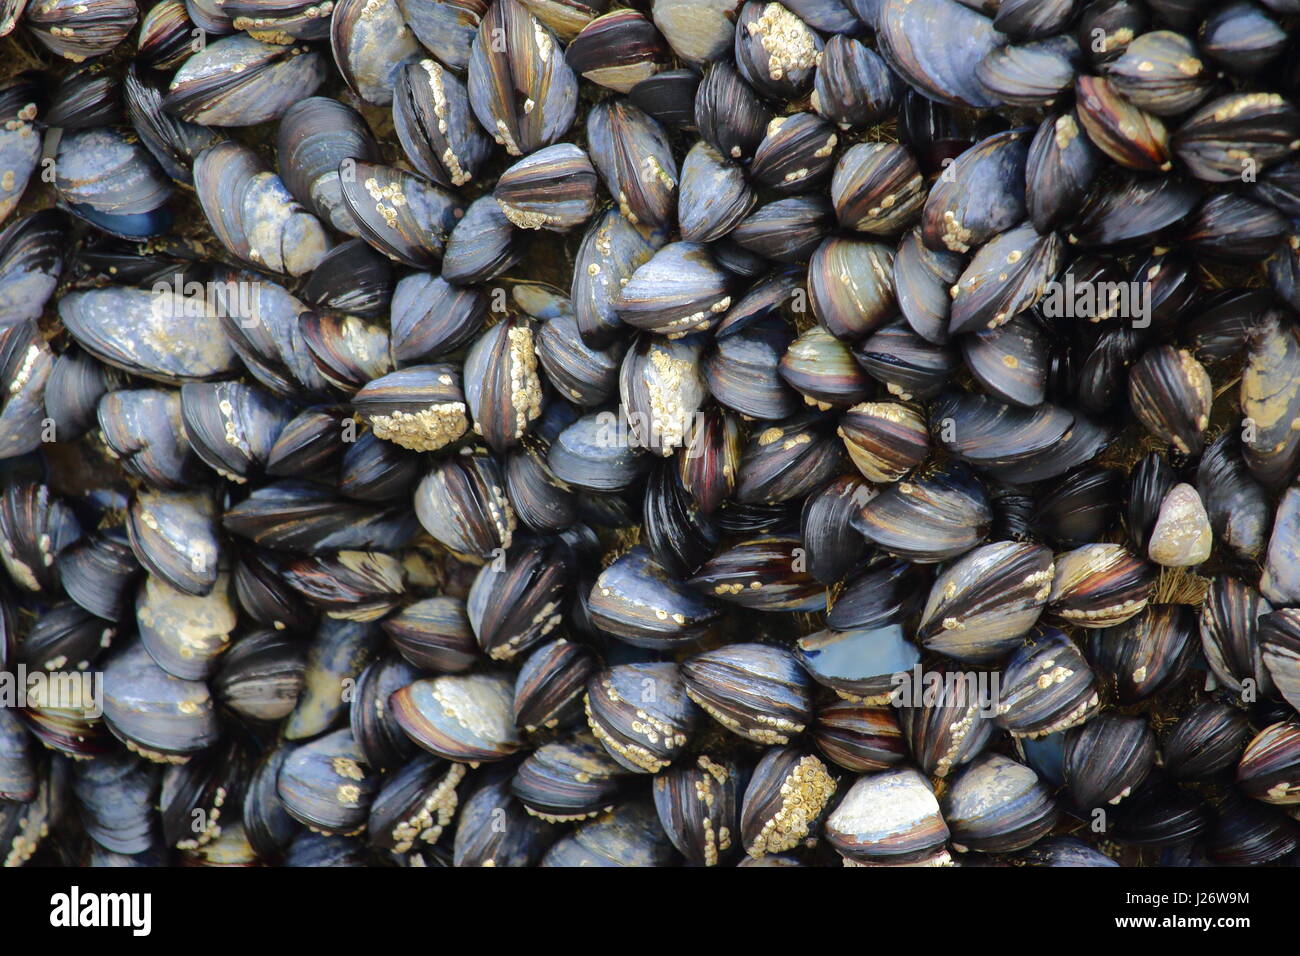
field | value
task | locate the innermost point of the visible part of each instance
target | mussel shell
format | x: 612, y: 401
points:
x: 1208, y: 738
x: 787, y: 793
x: 928, y: 518
x: 996, y: 805
x: 1100, y: 585
x: 327, y: 785
x: 550, y: 685
x: 753, y: 690
x: 261, y: 676
x: 434, y: 712
x: 157, y: 715
x: 1106, y: 759
x: 889, y: 818
x: 862, y: 664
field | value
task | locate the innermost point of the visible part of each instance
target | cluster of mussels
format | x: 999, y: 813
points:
x: 453, y: 432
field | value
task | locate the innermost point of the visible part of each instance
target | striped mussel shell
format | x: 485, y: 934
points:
x: 165, y: 36
x: 541, y: 501
x: 877, y: 188
x: 641, y: 714
x: 597, y: 453
x: 78, y: 31
x: 1229, y: 228
x: 1031, y: 19
x: 639, y: 602
x: 185, y: 633
x: 502, y: 387
x: 241, y: 81
x: 1150, y: 481
x: 21, y: 101
x: 434, y: 122
x: 1248, y: 833
x: 979, y: 196
x: 927, y: 59
x: 482, y: 244
x: 415, y: 804
x: 783, y: 804
x: 1280, y: 582
x: 632, y: 153
x: 1046, y: 687
x: 851, y: 310
x: 1148, y: 653
x: 492, y: 828
x: 611, y: 252
x: 253, y: 214
x: 112, y: 181
x: 156, y: 715
x: 1059, y: 171
x: 303, y: 517
x: 885, y: 440
x: 550, y: 685
x: 66, y: 635
x: 1100, y: 585
x: 431, y: 318
x: 697, y: 802
x: 553, y: 188
x: 114, y: 795
x: 31, y: 261
x: 796, y: 154
x: 326, y: 784
x: 466, y: 718
x: 1130, y: 136
x: 351, y: 585
x: 1132, y: 209
x: 1207, y: 739
x: 768, y: 573
x: 788, y: 460
x: 775, y: 51
x: 269, y: 330
x: 618, y: 50
x: 1224, y: 135
x: 859, y: 737
x: 97, y: 572
x: 833, y: 546
x: 861, y: 665
x: 1008, y: 275
x: 929, y: 518
x: 375, y: 470
x: 854, y: 87
x: 1279, y: 638
x: 755, y: 691
x: 996, y: 805
x: 35, y: 527
x: 710, y: 461
x: 261, y: 676
x: 316, y: 137
x: 922, y: 280
x: 1269, y: 769
x: 730, y: 115
x: 19, y: 778
x: 232, y: 427
x: 679, y: 534
x: 569, y: 780
x: 264, y: 596
x: 1242, y: 36
x: 714, y: 195
x: 434, y: 634
x: 680, y: 289
x: 1107, y: 759
x: 786, y: 230
x: 519, y: 598
x: 377, y: 734
x: 1230, y: 622
x: 882, y: 591
x: 889, y: 818
x: 274, y: 21
x: 1082, y: 508
x: 1030, y: 74
x: 520, y: 88
x: 1161, y: 73
x: 1012, y: 362
x: 402, y: 215
x: 944, y: 719
x: 463, y: 504
x: 987, y: 433
x: 420, y: 407
x: 743, y: 371
x: 981, y: 606
x: 905, y: 363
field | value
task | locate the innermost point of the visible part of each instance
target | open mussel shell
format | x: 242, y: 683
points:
x: 240, y: 81
x: 521, y: 89
x: 327, y: 785
x: 889, y: 818
x: 1230, y: 636
x: 1268, y: 768
x: 434, y: 634
x: 436, y: 714
x: 351, y: 585
x: 996, y: 805
x: 415, y: 804
x: 1106, y: 759
x: 253, y: 214
x: 261, y: 676
x: 641, y: 715
x: 1207, y: 739
x: 159, y: 716
x: 983, y: 603
x: 753, y: 690
x: 1235, y: 134
x: 550, y: 685
x: 783, y: 804
x: 31, y: 260
x: 1100, y: 585
x: 1148, y: 653
x: 97, y: 573
x: 854, y: 88
x: 928, y: 518
x: 568, y: 780
x: 111, y: 181
x: 862, y: 664
x: 492, y: 828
